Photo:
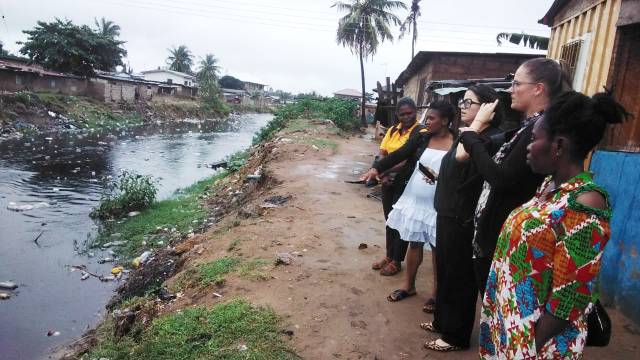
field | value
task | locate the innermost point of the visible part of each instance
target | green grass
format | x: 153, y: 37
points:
x: 254, y: 269
x: 324, y: 144
x: 297, y: 125
x: 213, y: 273
x: 183, y: 212
x: 233, y: 330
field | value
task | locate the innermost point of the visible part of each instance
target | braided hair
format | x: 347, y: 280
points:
x: 445, y: 109
x: 582, y: 119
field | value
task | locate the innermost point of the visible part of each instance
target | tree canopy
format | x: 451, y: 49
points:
x: 180, y: 59
x: 66, y: 47
x: 107, y: 27
x: 410, y: 25
x: 209, y: 69
x: 229, y: 82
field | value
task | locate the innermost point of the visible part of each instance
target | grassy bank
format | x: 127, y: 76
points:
x: 234, y: 330
x: 162, y: 222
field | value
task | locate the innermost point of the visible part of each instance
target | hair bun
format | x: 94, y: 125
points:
x: 608, y: 108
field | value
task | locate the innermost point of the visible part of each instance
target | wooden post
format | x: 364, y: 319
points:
x: 390, y: 100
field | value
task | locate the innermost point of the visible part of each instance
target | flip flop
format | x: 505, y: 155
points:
x: 378, y: 265
x: 399, y: 294
x: 390, y: 269
x: 428, y: 326
x: 441, y: 347
x: 429, y: 306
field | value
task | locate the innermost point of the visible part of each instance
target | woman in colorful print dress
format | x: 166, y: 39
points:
x: 543, y: 279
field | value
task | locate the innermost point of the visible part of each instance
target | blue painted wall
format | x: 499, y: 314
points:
x: 619, y: 173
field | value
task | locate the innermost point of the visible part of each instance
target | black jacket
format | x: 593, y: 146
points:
x: 410, y: 151
x: 459, y: 183
x: 512, y: 184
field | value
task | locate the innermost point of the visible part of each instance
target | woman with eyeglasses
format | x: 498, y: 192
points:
x: 544, y: 277
x: 413, y: 215
x: 393, y: 185
x: 457, y: 192
x: 508, y: 180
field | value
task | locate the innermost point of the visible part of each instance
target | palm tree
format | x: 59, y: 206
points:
x: 365, y: 25
x: 180, y: 59
x: 532, y: 41
x: 107, y: 27
x: 208, y: 69
x: 410, y: 25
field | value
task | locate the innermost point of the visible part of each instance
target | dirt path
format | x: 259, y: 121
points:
x: 329, y: 297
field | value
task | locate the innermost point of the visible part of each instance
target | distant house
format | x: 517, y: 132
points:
x: 122, y: 87
x: 429, y: 66
x: 16, y: 74
x: 349, y: 94
x: 252, y: 86
x: 599, y: 42
x: 233, y: 96
x: 179, y: 83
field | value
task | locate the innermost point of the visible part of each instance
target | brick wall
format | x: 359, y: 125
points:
x: 14, y: 81
x: 461, y: 67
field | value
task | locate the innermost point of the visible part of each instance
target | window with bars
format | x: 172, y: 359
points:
x: 569, y: 55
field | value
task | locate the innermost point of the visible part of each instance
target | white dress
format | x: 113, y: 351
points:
x: 413, y: 215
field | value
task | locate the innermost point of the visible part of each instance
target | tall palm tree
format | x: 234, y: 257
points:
x: 107, y: 27
x: 410, y: 25
x: 365, y: 25
x: 180, y: 59
x: 531, y: 41
x: 208, y: 69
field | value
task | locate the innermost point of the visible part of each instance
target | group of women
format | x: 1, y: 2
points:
x: 510, y: 215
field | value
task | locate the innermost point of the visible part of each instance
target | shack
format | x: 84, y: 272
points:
x: 16, y: 74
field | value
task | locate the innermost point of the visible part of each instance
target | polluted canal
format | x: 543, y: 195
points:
x: 48, y: 187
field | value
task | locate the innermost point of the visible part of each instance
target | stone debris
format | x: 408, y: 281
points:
x: 283, y: 259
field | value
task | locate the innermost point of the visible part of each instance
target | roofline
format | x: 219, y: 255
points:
x: 420, y: 57
x: 547, y: 19
x: 169, y: 71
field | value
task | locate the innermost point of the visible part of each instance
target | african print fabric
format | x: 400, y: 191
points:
x: 547, y: 259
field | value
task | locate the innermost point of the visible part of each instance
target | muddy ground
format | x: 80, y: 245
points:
x: 331, y: 301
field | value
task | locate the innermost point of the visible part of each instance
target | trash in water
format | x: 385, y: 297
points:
x: 25, y: 207
x: 105, y: 260
x: 107, y: 278
x: 53, y: 333
x: 133, y: 213
x: 113, y: 243
x: 85, y: 276
x: 117, y: 270
x: 4, y: 296
x: 141, y: 259
x: 8, y: 285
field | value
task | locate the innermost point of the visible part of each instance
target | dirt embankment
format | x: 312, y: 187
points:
x: 28, y: 113
x: 332, y: 304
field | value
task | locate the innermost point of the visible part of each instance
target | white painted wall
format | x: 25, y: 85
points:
x: 164, y: 76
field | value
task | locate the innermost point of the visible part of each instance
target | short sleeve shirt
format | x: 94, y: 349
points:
x: 393, y: 139
x: 547, y: 260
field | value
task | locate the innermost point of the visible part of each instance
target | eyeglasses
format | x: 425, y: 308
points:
x: 466, y: 103
x: 516, y: 83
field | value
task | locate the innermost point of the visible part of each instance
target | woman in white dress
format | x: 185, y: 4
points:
x: 413, y: 215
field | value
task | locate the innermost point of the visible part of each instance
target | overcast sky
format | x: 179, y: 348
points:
x: 287, y: 44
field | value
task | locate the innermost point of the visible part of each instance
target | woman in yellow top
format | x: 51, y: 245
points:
x: 393, y: 187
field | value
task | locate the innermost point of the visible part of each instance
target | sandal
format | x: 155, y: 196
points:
x: 430, y: 306
x: 441, y: 346
x: 390, y: 269
x: 381, y: 264
x: 428, y: 326
x: 400, y: 294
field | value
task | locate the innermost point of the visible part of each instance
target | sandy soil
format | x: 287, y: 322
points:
x: 329, y: 297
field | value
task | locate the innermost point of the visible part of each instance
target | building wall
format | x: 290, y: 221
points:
x: 619, y: 174
x: 113, y: 91
x: 460, y: 67
x: 164, y: 76
x: 598, y: 19
x: 13, y: 81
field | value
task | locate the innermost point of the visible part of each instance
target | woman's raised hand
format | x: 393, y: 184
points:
x: 484, y: 116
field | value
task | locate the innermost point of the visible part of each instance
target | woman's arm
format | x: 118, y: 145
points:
x: 510, y: 172
x: 398, y: 156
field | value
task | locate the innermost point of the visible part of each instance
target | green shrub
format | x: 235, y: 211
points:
x: 128, y: 192
x: 236, y: 160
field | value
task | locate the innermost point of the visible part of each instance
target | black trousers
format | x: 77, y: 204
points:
x: 457, y: 292
x: 482, y: 266
x: 396, y: 248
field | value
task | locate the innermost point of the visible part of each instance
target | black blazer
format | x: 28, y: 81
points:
x: 512, y: 184
x: 410, y: 151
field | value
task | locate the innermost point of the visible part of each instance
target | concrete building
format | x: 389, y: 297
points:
x: 599, y: 42
x: 182, y: 84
